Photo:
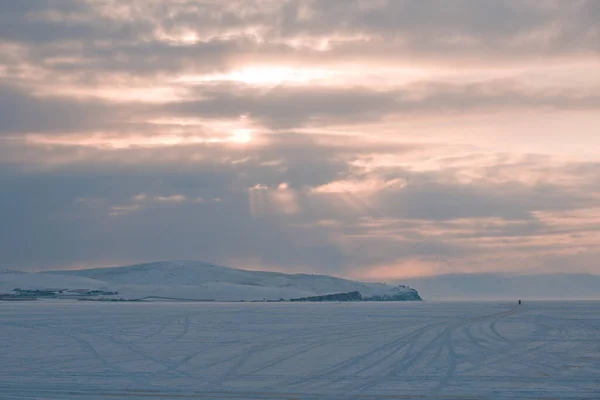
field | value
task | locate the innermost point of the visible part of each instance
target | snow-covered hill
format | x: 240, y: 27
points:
x: 198, y: 280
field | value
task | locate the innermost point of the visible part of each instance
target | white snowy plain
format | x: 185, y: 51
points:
x: 314, y: 351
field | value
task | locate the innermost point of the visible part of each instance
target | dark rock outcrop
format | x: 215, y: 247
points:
x: 350, y: 296
x: 406, y: 295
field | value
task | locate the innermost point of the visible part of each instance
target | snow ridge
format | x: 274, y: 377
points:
x: 200, y: 280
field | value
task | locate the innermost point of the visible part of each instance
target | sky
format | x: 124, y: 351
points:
x: 367, y: 139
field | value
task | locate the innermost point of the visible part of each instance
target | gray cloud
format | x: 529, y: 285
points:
x: 282, y: 107
x: 277, y: 108
x: 68, y: 218
x: 66, y: 201
x: 22, y: 112
x: 431, y: 26
x: 97, y: 36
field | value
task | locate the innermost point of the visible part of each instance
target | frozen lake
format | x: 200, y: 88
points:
x: 74, y: 350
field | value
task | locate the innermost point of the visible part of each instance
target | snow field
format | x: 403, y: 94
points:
x: 325, y: 351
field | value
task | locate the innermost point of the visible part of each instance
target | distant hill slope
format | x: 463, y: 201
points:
x: 10, y: 280
x: 508, y: 287
x: 198, y: 280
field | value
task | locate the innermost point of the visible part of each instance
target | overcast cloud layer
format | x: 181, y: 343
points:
x: 369, y: 139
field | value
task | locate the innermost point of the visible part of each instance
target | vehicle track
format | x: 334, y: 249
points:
x: 399, y: 352
x: 328, y: 374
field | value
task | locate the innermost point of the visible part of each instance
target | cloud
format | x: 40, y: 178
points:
x: 24, y: 113
x: 142, y: 201
x: 358, y: 138
x: 359, y: 186
x: 416, y: 218
x: 219, y: 34
x: 122, y: 210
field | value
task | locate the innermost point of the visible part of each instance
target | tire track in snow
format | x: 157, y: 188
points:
x: 437, y: 345
x: 186, y: 329
x: 244, y: 358
x: 449, y: 344
x: 331, y: 371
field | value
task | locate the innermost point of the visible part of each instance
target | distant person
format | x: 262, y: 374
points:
x: 519, y: 302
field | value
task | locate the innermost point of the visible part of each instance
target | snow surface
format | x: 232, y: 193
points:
x: 71, y: 350
x: 193, y: 280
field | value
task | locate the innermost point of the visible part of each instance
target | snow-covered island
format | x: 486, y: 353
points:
x: 193, y: 281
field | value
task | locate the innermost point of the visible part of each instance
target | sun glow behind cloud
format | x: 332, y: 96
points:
x: 329, y: 74
x: 237, y: 137
x: 263, y: 75
x: 241, y: 136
